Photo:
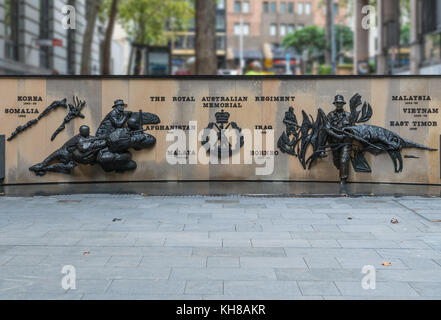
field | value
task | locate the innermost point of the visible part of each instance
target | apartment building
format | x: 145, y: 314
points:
x: 33, y: 40
x: 264, y: 24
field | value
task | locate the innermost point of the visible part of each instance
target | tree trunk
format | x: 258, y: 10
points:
x: 328, y: 57
x: 107, y: 48
x: 206, y: 59
x: 139, y: 47
x: 415, y: 36
x: 388, y: 33
x: 361, y: 40
x: 138, y: 60
x: 92, y: 7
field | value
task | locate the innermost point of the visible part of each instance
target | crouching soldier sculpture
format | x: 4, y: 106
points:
x: 116, y: 156
x: 118, y: 132
x: 81, y: 149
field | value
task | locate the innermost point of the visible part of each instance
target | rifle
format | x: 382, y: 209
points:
x: 141, y: 129
x: 341, y: 131
x: 140, y: 120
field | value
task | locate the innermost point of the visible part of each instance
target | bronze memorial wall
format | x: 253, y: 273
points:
x: 61, y: 129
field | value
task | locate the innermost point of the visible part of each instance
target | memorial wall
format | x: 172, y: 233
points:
x: 61, y: 129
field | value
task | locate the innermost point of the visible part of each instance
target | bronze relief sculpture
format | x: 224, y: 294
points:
x: 224, y: 147
x: 74, y: 112
x: 119, y: 131
x: 338, y: 133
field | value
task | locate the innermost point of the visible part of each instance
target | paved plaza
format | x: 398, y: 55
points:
x: 235, y: 247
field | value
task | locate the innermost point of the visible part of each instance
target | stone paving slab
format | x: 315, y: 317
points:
x: 235, y: 247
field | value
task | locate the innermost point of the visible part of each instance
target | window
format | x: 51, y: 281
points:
x: 246, y: 29
x: 290, y: 28
x: 265, y: 7
x: 273, y: 7
x: 290, y: 7
x: 179, y: 42
x: 220, y: 42
x: 221, y: 4
x: 11, y: 29
x: 307, y: 8
x: 282, y: 7
x: 237, y: 6
x: 237, y: 29
x: 191, y: 42
x: 220, y: 21
x: 283, y: 30
x: 300, y: 8
x: 300, y: 26
x: 273, y: 29
x: 246, y: 7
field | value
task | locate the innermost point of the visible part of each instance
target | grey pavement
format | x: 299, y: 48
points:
x: 232, y: 247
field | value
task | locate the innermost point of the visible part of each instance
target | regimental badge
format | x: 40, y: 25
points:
x: 229, y: 136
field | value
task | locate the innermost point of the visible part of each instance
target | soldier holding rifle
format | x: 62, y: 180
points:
x: 342, y: 143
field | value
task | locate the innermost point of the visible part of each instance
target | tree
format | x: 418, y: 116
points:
x: 344, y: 38
x: 310, y: 38
x: 146, y: 22
x: 92, y: 8
x: 206, y: 60
x: 405, y: 34
x: 107, y: 46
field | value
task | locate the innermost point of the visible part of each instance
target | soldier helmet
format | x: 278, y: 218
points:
x: 119, y: 102
x: 133, y: 123
x: 339, y: 99
x: 84, y: 131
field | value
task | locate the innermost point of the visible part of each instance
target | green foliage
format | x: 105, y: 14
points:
x: 310, y: 38
x: 145, y: 20
x: 405, y: 8
x: 348, y: 38
x: 372, y: 67
x: 103, y: 11
x: 324, y: 69
x: 405, y: 34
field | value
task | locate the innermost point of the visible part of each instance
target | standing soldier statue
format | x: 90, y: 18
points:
x: 341, y: 144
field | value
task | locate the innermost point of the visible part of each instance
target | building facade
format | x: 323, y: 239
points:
x: 29, y: 29
x: 265, y: 23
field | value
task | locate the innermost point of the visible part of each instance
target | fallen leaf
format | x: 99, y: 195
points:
x: 85, y: 253
x: 386, y: 263
x: 116, y: 219
x: 349, y: 218
x: 393, y: 220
